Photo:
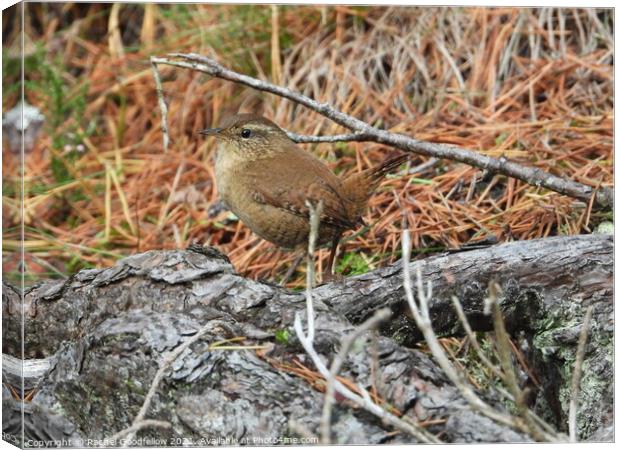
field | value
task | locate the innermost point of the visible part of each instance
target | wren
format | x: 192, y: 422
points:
x: 266, y: 179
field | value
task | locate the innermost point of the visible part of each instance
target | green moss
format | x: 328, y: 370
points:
x: 552, y: 326
x: 591, y: 391
x: 557, y: 344
x: 353, y: 264
x: 605, y: 227
x: 135, y: 387
x: 282, y: 336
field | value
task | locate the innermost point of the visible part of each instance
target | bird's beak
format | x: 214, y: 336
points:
x: 211, y: 131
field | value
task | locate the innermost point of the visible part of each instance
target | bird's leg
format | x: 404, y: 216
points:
x: 291, y: 270
x: 328, y: 273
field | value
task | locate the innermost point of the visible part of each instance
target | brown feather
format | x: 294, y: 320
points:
x: 290, y: 188
x: 360, y: 186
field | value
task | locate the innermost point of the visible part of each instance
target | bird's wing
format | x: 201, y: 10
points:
x: 302, y: 178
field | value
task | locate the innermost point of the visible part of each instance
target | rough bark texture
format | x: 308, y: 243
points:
x: 103, y: 332
x: 547, y: 284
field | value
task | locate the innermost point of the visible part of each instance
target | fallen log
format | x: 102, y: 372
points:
x: 103, y: 331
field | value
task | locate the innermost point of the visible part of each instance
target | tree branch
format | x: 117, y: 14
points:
x: 363, y: 131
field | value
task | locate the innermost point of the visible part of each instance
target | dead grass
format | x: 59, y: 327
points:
x: 534, y: 85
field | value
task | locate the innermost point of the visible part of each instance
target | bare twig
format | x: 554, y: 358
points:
x: 510, y: 377
x: 115, y: 43
x: 276, y: 63
x: 472, y: 338
x: 493, y: 367
x: 421, y: 316
x: 574, y: 400
x: 532, y: 176
x: 315, y: 216
x: 422, y: 320
x: 162, y: 104
x: 364, y: 401
x: 337, y: 363
x: 305, y: 139
x: 503, y: 346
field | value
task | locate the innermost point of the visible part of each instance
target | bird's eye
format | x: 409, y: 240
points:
x: 246, y: 133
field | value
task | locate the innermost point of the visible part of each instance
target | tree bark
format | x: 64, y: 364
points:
x: 103, y: 332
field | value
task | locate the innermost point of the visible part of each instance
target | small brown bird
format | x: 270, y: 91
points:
x: 266, y: 179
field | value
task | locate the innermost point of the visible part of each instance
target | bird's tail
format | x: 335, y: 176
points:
x: 378, y: 172
x: 360, y: 186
